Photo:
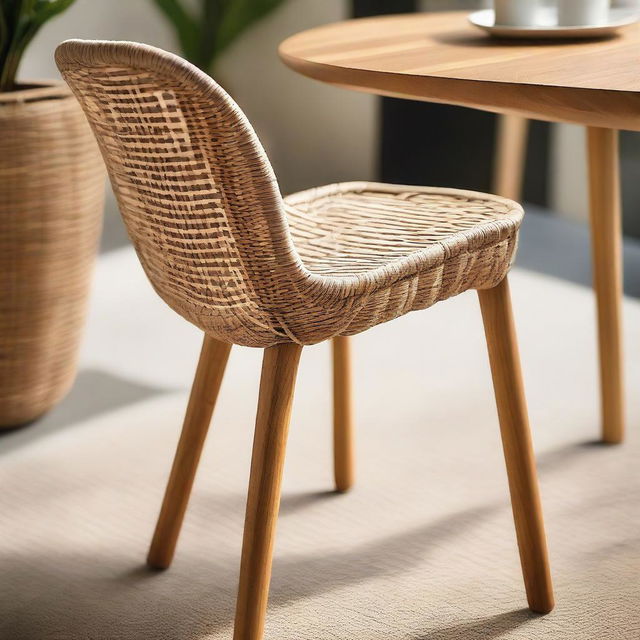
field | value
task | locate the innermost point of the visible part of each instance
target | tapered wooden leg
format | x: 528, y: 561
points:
x: 606, y: 237
x: 516, y: 440
x: 343, y: 445
x: 511, y: 151
x: 204, y: 393
x: 279, y: 370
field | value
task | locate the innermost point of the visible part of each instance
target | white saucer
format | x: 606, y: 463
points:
x: 547, y: 25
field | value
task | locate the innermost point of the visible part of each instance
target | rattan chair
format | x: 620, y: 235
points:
x: 224, y: 250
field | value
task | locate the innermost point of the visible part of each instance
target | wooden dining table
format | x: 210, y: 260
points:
x: 441, y: 57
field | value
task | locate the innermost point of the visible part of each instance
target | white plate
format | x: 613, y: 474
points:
x: 547, y: 25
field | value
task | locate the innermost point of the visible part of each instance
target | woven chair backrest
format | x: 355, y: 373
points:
x: 194, y: 186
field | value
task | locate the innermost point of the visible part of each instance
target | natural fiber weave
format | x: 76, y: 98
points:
x: 51, y: 196
x: 224, y: 250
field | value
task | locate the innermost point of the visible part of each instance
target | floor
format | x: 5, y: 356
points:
x: 560, y: 247
x: 422, y: 549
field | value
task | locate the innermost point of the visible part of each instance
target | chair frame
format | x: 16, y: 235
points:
x: 279, y: 369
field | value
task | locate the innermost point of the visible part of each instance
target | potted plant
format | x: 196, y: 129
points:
x: 204, y: 35
x: 51, y: 202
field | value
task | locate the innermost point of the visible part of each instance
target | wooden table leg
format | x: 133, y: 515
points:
x: 606, y: 240
x: 511, y: 151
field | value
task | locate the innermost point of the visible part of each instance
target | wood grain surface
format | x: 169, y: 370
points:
x: 442, y: 58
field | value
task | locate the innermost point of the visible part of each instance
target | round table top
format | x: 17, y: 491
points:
x: 440, y: 57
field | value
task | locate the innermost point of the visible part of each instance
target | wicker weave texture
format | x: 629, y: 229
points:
x: 223, y: 249
x: 51, y: 199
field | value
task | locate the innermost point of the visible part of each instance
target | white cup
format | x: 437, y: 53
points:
x: 580, y: 13
x: 516, y: 13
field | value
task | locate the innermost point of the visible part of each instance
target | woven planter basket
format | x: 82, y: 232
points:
x: 51, y: 203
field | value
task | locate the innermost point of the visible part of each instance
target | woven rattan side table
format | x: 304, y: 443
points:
x: 439, y: 57
x: 226, y: 251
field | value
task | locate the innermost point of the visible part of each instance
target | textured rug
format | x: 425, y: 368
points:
x: 422, y: 549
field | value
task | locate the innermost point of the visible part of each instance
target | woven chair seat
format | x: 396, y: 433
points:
x: 358, y: 227
x: 401, y: 248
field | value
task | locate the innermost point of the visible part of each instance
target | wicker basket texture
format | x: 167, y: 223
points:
x: 51, y: 202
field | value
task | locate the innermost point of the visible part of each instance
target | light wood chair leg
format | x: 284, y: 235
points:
x: 279, y: 370
x: 204, y: 393
x: 516, y: 440
x: 606, y: 237
x: 343, y: 432
x: 511, y: 152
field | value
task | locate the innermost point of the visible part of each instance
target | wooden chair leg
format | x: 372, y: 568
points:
x: 511, y: 151
x: 204, y: 393
x: 279, y: 370
x: 343, y: 436
x: 516, y: 440
x: 606, y: 241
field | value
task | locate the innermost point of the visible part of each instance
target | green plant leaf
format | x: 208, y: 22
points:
x: 185, y: 25
x: 204, y: 37
x: 4, y: 30
x: 14, y: 15
x: 35, y: 14
x: 44, y: 10
x: 239, y: 16
x: 23, y: 19
x: 12, y: 10
x: 211, y: 18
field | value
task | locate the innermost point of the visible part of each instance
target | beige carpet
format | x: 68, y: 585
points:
x: 422, y: 549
